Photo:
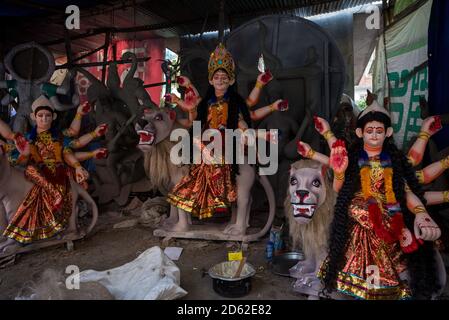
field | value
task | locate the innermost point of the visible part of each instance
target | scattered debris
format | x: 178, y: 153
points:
x: 200, y: 244
x: 133, y: 207
x: 173, y: 252
x: 126, y: 224
x: 230, y: 244
x: 184, y: 243
x: 52, y: 285
x: 167, y: 241
x: 69, y: 245
x: 153, y: 210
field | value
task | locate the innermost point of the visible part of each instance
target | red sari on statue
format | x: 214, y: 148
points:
x: 47, y: 208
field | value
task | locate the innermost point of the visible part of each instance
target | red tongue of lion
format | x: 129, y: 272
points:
x: 145, y: 137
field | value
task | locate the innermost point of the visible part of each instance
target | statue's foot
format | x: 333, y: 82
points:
x: 169, y: 222
x: 9, y: 246
x: 72, y: 234
x: 178, y: 227
x: 308, y: 284
x: 235, y: 230
x: 301, y: 268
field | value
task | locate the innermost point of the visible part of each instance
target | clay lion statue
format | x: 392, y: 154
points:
x: 154, y: 129
x: 309, y: 209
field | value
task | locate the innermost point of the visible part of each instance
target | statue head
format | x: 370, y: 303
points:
x: 374, y: 124
x: 154, y: 126
x: 308, y: 187
x: 221, y: 68
x: 43, y: 113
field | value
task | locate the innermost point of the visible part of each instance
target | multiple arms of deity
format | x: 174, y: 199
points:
x: 253, y: 99
x: 430, y: 126
x: 192, y: 99
x: 71, y: 158
x: 425, y: 227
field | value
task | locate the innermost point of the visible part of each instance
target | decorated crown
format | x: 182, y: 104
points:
x: 221, y: 58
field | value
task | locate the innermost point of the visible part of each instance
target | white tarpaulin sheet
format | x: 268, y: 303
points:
x: 151, y: 276
x: 406, y: 49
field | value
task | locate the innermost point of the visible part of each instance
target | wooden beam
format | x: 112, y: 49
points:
x: 88, y: 54
x: 98, y: 64
x: 154, y: 84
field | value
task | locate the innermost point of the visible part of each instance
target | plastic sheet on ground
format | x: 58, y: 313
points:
x: 151, y: 276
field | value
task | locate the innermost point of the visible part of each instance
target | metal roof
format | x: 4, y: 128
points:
x: 43, y: 20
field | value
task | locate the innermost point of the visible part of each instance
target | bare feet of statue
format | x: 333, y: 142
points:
x: 169, y: 222
x: 302, y: 268
x: 178, y: 227
x: 182, y: 224
x: 235, y: 229
x: 71, y: 234
x: 172, y: 219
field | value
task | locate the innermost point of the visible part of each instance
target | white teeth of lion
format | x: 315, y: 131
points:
x: 304, y: 209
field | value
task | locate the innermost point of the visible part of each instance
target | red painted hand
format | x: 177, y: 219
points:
x: 266, y: 77
x: 283, y: 105
x: 190, y: 96
x: 86, y: 107
x: 101, y: 129
x: 303, y: 148
x: 339, y: 157
x: 436, y: 125
x: 183, y: 81
x: 20, y: 141
x: 168, y: 98
x: 101, y: 153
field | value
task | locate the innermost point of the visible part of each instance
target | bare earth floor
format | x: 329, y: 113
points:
x: 108, y: 248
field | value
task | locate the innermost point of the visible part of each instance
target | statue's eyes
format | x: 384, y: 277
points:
x: 316, y: 183
x: 293, y: 181
x: 158, y: 117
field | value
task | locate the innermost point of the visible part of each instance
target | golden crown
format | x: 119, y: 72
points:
x: 221, y: 58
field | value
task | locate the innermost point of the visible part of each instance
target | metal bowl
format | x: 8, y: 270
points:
x: 282, y: 263
x: 226, y: 271
x: 224, y: 283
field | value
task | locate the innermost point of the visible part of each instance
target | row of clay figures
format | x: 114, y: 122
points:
x: 366, y: 232
x: 212, y: 186
x: 42, y: 179
x: 43, y: 173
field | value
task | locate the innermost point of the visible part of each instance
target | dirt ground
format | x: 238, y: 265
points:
x: 108, y: 248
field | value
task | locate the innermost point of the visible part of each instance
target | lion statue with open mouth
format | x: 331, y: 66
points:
x: 309, y: 207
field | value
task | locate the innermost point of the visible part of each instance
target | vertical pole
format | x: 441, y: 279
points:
x: 221, y: 21
x: 105, y: 55
x: 68, y: 48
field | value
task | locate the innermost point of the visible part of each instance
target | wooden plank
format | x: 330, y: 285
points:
x: 205, y: 232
